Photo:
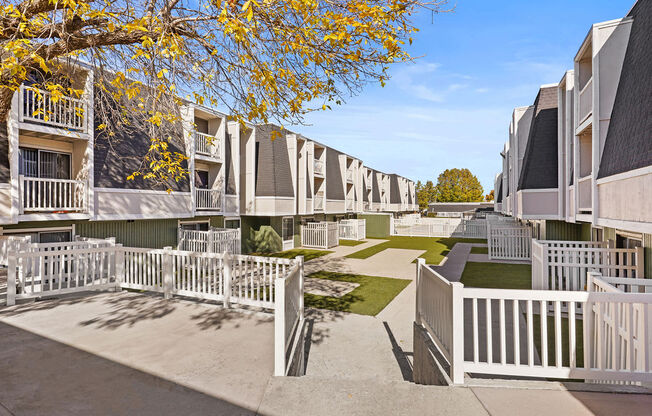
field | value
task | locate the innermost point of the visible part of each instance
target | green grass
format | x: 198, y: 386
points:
x: 497, y: 275
x: 579, y: 339
x: 307, y: 254
x: 371, y: 297
x: 351, y: 243
x: 479, y: 250
x: 436, y: 248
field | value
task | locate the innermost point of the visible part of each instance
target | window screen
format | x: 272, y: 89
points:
x: 288, y: 229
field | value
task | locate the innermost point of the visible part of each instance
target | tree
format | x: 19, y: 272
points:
x: 263, y: 60
x: 425, y: 194
x: 490, y: 196
x: 458, y: 185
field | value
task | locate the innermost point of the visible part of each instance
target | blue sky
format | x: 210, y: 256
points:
x: 451, y: 108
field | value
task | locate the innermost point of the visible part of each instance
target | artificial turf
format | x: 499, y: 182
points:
x: 497, y: 275
x: 307, y: 254
x: 371, y: 297
x: 436, y: 248
x: 479, y: 250
x: 351, y: 243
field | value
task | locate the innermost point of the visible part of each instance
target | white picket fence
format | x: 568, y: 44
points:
x: 322, y: 235
x: 508, y: 241
x: 265, y: 282
x: 12, y: 243
x: 352, y: 229
x: 438, y: 227
x: 215, y: 240
x: 499, y: 334
x: 563, y: 265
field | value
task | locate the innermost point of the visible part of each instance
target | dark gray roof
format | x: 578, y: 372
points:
x: 5, y: 172
x: 230, y: 178
x: 273, y: 173
x: 119, y: 156
x: 375, y: 190
x: 334, y: 184
x: 628, y: 144
x: 394, y: 190
x: 409, y: 196
x: 539, y: 169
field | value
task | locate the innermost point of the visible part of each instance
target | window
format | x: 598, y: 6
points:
x: 201, y: 179
x: 288, y: 228
x: 195, y: 225
x: 626, y: 240
x: 56, y: 235
x: 596, y: 234
x: 232, y: 223
x: 35, y: 163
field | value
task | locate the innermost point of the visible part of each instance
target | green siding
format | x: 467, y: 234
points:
x: 377, y: 225
x: 647, y: 243
x: 560, y: 230
x: 608, y: 234
x: 586, y: 232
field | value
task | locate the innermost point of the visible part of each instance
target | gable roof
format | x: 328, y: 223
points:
x: 539, y: 169
x: 628, y: 145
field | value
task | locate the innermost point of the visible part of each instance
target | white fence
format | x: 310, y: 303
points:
x: 322, y: 235
x: 215, y: 240
x: 38, y: 106
x: 10, y: 243
x: 289, y: 323
x: 511, y: 333
x: 563, y: 265
x: 508, y: 241
x: 439, y: 227
x: 352, y: 229
x: 45, y: 194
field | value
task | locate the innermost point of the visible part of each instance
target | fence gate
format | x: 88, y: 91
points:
x: 509, y: 241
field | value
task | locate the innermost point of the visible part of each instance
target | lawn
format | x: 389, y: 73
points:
x: 436, y: 248
x: 497, y: 275
x: 307, y: 254
x: 371, y: 297
x: 351, y: 243
x: 479, y: 250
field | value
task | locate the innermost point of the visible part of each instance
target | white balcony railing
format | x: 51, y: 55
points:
x: 38, y: 106
x: 584, y: 200
x: 586, y: 101
x: 208, y: 145
x: 52, y: 195
x: 319, y: 167
x: 366, y: 205
x: 349, y: 175
x: 319, y: 201
x: 208, y: 199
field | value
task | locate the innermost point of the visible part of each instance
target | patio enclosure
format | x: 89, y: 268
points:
x: 215, y: 240
x: 352, y: 229
x: 322, y: 235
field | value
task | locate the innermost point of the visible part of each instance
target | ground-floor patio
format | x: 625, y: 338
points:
x: 135, y: 353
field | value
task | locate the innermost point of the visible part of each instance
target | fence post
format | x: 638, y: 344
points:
x: 489, y: 240
x: 226, y: 263
x: 168, y: 273
x: 210, y: 247
x: 587, y: 324
x: 279, y: 327
x: 457, y: 327
x: 301, y: 288
x: 421, y: 262
x: 11, y: 278
x: 119, y: 266
x: 640, y: 263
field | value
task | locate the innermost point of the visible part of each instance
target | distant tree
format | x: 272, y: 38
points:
x: 490, y: 196
x: 458, y: 185
x: 425, y: 194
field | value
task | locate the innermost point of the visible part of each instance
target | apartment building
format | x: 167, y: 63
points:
x: 586, y: 170
x: 62, y: 175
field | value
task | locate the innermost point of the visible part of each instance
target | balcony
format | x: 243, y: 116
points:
x: 208, y: 199
x: 319, y: 167
x: 584, y: 200
x: 57, y: 196
x: 40, y: 107
x: 208, y: 145
x: 586, y: 101
x: 319, y: 201
x: 349, y: 176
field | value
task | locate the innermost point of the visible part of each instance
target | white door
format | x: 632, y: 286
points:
x: 288, y: 233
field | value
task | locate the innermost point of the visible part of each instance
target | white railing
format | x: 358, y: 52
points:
x: 38, y: 106
x: 469, y: 228
x: 10, y: 243
x: 322, y: 235
x: 352, y: 229
x: 509, y: 242
x: 319, y: 201
x: 208, y: 199
x: 586, y: 101
x: 43, y: 194
x: 584, y: 196
x: 513, y: 333
x: 215, y: 240
x: 563, y: 265
x: 289, y: 322
x: 366, y: 206
x: 208, y: 145
x: 439, y: 227
x: 319, y: 167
